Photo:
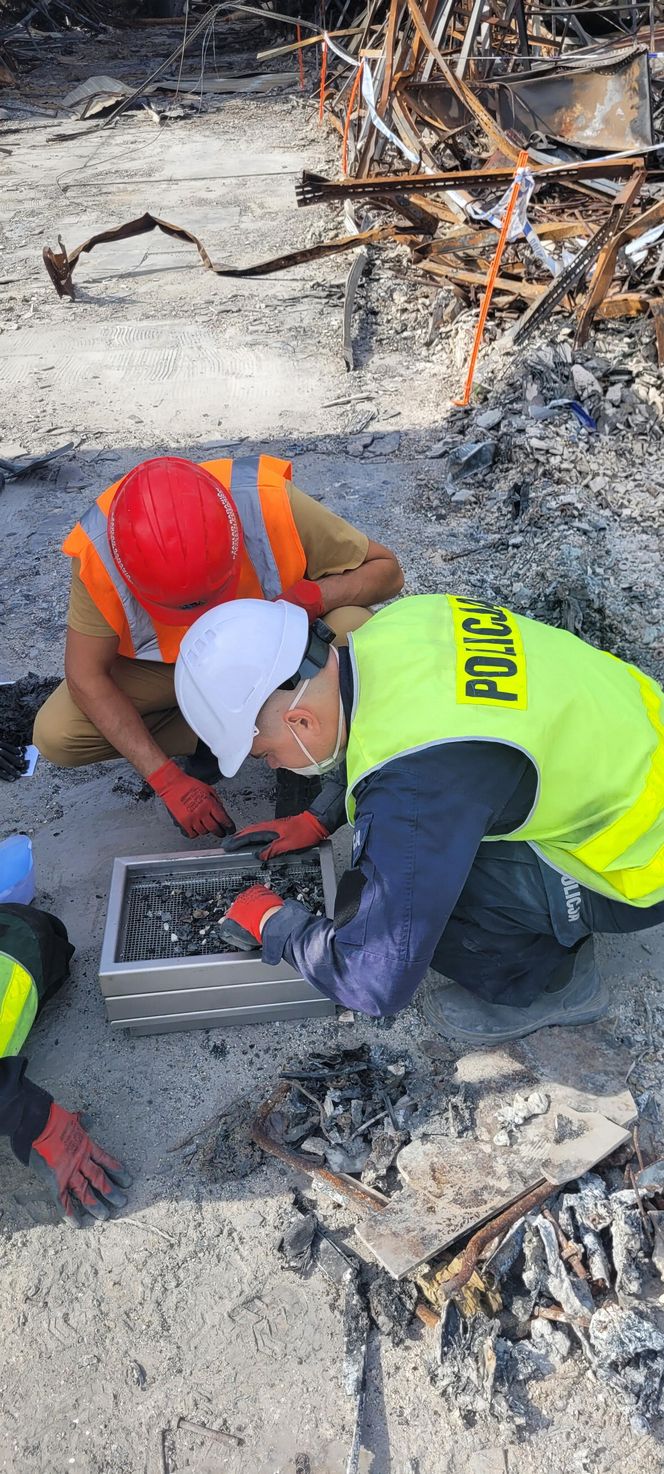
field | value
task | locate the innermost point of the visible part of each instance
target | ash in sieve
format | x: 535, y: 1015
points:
x: 185, y: 920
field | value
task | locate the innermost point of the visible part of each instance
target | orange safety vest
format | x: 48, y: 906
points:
x: 272, y: 557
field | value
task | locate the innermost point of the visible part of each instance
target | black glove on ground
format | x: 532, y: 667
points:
x: 13, y: 761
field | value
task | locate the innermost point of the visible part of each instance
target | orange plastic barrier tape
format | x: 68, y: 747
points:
x: 521, y: 164
x: 323, y: 71
x: 351, y: 103
x: 298, y: 32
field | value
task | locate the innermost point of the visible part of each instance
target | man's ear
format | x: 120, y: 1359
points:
x: 302, y: 716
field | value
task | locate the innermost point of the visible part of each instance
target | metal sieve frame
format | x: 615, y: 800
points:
x: 156, y: 995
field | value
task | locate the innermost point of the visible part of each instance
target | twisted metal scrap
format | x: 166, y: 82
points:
x: 60, y: 264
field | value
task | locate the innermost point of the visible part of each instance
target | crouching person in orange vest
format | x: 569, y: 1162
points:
x: 157, y: 549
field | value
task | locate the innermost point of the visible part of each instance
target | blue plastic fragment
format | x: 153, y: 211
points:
x: 546, y: 411
x: 582, y: 414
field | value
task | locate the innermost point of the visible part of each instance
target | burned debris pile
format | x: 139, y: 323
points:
x: 572, y: 1267
x: 515, y: 151
x: 25, y: 22
x: 19, y: 703
x: 584, y: 1276
x: 517, y: 144
x: 350, y: 1111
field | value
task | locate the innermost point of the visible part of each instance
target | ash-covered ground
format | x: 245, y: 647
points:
x: 186, y: 1307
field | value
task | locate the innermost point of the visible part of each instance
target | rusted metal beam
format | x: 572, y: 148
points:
x: 606, y: 261
x: 389, y: 55
x: 515, y: 10
x: 540, y: 311
x: 464, y: 93
x: 657, y: 310
x: 626, y: 304
x: 529, y: 291
x: 314, y: 188
x: 438, y: 36
x: 472, y: 29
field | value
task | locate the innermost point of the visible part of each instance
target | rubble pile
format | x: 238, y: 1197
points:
x: 351, y: 1110
x: 565, y: 525
x: 576, y: 1273
x: 582, y: 1276
x: 517, y: 147
x: 356, y: 1109
x: 19, y: 703
x: 514, y: 152
x: 21, y: 21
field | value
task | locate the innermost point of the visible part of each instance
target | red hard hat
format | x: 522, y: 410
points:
x: 176, y: 538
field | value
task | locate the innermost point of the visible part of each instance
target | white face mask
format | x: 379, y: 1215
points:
x: 312, y: 768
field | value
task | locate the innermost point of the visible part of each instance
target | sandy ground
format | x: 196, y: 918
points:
x: 183, y: 1308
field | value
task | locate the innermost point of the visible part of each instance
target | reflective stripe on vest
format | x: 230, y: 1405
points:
x: 273, y: 557
x: 600, y: 853
x: 435, y: 669
x: 244, y: 491
x: 141, y: 629
x: 18, y: 1004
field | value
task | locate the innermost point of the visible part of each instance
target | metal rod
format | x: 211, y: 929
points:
x: 216, y: 1434
x: 495, y: 1228
x: 365, y: 1196
x: 470, y: 37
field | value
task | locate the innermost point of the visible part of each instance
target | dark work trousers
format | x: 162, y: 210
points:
x: 517, y: 922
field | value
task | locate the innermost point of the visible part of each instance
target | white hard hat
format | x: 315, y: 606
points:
x: 230, y: 661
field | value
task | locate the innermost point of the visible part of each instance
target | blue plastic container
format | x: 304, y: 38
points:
x: 17, y: 870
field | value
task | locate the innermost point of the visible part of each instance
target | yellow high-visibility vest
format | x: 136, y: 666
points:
x: 438, y: 668
x: 18, y: 1004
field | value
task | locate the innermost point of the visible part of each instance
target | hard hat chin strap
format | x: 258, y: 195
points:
x: 315, y: 656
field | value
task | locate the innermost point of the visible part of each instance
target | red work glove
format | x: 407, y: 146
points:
x: 81, y: 1176
x: 241, y: 926
x: 308, y: 595
x: 280, y: 836
x: 193, y: 805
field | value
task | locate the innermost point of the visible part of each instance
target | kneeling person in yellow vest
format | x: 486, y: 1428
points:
x: 505, y: 784
x: 169, y: 541
x: 82, y: 1178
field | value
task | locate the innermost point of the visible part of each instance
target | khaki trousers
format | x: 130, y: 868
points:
x: 69, y: 739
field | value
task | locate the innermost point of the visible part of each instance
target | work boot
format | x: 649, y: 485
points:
x: 202, y: 764
x: 576, y: 994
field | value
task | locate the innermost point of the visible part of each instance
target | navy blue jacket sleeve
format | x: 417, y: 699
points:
x: 418, y: 826
x: 24, y: 1107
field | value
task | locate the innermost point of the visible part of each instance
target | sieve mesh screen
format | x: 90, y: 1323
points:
x: 157, y: 915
